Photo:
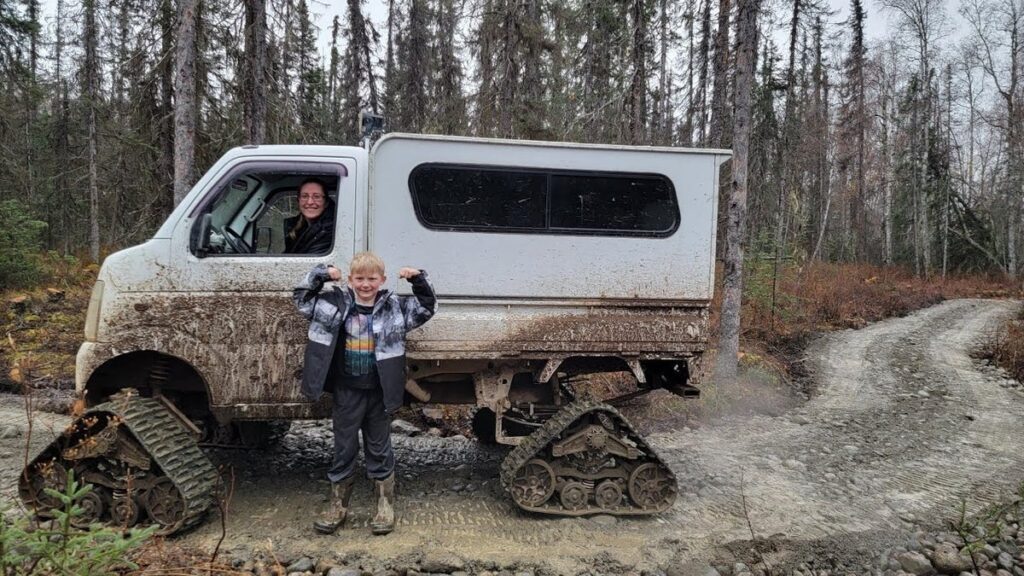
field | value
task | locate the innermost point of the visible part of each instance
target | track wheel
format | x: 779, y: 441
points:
x: 534, y: 484
x: 93, y: 505
x: 124, y: 511
x: 608, y: 495
x: 164, y: 503
x: 45, y: 475
x: 651, y: 487
x: 574, y: 496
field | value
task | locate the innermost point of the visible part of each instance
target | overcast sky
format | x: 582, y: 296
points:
x: 878, y: 25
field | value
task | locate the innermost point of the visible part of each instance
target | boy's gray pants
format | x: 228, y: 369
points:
x: 354, y: 410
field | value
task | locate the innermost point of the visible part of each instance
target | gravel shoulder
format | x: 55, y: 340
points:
x: 903, y: 426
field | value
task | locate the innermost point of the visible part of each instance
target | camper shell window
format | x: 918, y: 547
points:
x: 498, y: 199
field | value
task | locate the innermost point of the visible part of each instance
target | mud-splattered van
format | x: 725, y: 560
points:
x: 549, y: 259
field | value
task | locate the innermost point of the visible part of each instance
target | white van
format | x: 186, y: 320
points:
x: 549, y: 260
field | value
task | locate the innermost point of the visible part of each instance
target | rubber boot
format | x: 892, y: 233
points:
x: 384, y: 521
x: 334, y: 517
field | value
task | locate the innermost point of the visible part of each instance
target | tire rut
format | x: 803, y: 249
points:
x: 903, y: 428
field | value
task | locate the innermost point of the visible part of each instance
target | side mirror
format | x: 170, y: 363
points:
x: 199, y: 242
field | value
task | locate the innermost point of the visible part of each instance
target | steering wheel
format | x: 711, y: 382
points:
x: 235, y: 241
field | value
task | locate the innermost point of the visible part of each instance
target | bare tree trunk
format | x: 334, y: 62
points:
x: 64, y: 151
x: 637, y: 98
x: 32, y: 101
x: 185, y: 100
x: 166, y: 106
x: 332, y: 68
x: 824, y: 225
x: 390, y: 81
x: 886, y: 181
x: 924, y: 220
x: 702, y: 83
x: 120, y: 88
x: 1011, y: 232
x: 860, y: 123
x: 947, y: 184
x: 720, y: 99
x: 824, y: 167
x: 255, y: 75
x: 1013, y: 227
x: 91, y: 94
x: 662, y: 125
x: 1015, y: 134
x: 687, y: 131
x: 60, y: 133
x: 287, y: 58
x: 746, y: 55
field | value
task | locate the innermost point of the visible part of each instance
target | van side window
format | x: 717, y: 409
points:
x: 622, y: 203
x: 511, y: 200
x: 472, y: 198
x: 253, y: 209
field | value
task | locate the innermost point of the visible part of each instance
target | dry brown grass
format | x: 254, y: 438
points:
x: 1006, y: 349
x: 41, y: 329
x: 819, y: 297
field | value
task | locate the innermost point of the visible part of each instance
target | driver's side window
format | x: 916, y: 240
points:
x: 256, y: 210
x: 275, y: 222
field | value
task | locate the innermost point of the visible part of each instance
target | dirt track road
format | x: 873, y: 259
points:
x: 902, y: 427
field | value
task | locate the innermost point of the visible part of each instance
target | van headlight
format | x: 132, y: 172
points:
x: 92, y: 316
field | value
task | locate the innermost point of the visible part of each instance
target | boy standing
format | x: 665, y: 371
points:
x: 356, y: 351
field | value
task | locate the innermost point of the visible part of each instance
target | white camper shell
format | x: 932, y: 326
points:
x: 548, y: 259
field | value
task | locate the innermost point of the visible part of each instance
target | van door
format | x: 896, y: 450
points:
x: 234, y: 279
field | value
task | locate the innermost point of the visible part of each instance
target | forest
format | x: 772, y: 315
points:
x: 907, y: 149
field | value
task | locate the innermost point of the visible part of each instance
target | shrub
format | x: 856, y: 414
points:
x: 20, y: 243
x: 1007, y: 348
x: 62, y: 548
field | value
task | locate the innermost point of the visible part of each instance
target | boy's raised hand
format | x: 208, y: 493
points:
x: 408, y: 273
x: 334, y: 273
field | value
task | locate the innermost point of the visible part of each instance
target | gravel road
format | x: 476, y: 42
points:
x: 901, y: 427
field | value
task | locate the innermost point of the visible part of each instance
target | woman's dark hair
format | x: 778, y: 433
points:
x: 313, y: 180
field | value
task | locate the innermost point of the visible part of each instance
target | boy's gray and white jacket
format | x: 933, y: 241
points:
x: 393, y: 316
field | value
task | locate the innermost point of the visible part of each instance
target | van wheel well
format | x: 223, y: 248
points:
x: 149, y: 372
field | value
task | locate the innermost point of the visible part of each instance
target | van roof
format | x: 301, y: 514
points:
x: 329, y: 151
x: 535, y: 143
x: 293, y: 150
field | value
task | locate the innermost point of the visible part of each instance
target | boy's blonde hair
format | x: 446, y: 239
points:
x: 366, y: 262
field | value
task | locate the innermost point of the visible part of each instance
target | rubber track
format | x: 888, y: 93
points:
x: 550, y: 430
x: 172, y: 448
x: 167, y: 442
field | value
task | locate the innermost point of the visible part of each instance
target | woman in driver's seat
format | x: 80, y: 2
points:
x: 311, y: 231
